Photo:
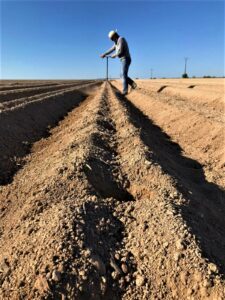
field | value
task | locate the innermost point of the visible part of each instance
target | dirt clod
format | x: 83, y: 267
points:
x: 140, y: 280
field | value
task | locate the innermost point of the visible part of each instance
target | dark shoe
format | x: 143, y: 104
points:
x: 134, y: 85
x: 125, y: 93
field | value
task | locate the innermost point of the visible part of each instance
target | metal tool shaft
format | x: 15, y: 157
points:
x: 107, y: 68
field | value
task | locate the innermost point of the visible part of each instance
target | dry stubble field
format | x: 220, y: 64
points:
x: 111, y: 197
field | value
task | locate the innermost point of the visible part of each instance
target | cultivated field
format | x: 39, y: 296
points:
x: 111, y: 197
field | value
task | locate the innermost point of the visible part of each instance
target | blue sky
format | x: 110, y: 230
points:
x: 63, y: 39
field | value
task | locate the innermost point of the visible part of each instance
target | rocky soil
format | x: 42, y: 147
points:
x: 119, y: 200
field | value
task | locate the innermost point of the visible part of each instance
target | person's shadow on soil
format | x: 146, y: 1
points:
x: 205, y: 208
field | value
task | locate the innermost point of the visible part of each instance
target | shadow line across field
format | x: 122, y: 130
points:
x: 205, y: 208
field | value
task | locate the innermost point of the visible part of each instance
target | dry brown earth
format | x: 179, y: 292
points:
x: 122, y: 199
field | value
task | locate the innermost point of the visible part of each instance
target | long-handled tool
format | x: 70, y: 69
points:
x: 107, y: 68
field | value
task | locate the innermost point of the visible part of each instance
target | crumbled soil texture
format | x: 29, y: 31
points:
x: 123, y: 198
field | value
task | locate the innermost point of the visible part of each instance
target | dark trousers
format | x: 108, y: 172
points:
x: 125, y: 63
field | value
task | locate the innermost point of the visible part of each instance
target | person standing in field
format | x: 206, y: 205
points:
x: 122, y: 52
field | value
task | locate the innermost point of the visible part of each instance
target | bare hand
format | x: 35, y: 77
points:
x: 102, y: 55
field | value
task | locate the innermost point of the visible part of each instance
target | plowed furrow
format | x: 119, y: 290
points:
x: 106, y: 207
x: 70, y: 240
x: 188, y: 103
x: 21, y: 93
x: 50, y: 209
x: 200, y: 138
x: 24, y: 124
x: 23, y: 101
x: 168, y: 238
x: 24, y: 86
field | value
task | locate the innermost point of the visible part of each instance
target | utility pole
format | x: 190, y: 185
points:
x: 151, y: 73
x: 185, y: 75
x: 185, y: 65
x: 107, y: 68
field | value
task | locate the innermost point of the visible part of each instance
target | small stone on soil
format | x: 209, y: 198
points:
x: 213, y: 268
x: 124, y: 268
x: 140, y: 280
x: 98, y: 263
x: 56, y: 276
x: 179, y: 245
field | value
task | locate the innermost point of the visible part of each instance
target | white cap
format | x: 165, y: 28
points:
x: 111, y: 33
